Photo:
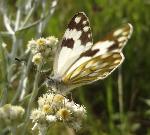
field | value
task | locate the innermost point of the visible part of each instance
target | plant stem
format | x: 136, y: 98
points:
x: 110, y: 105
x: 15, y: 45
x: 120, y: 98
x: 4, y: 75
x: 25, y: 70
x: 5, y: 33
x: 120, y: 90
x: 43, y: 131
x: 12, y: 57
x: 31, y: 101
x: 29, y: 15
x: 18, y: 19
x: 7, y: 24
x: 13, y: 130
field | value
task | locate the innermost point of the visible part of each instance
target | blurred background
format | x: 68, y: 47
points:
x: 119, y: 104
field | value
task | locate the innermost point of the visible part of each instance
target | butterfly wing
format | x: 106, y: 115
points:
x: 94, y: 69
x: 114, y: 41
x: 76, y: 40
x: 99, y: 61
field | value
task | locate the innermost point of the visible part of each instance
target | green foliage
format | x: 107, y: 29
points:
x: 105, y: 115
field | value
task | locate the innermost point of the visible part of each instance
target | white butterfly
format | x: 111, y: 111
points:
x: 78, y: 61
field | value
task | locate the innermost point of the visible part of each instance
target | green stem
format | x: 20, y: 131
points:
x: 12, y: 57
x: 13, y: 130
x: 43, y: 131
x: 31, y: 101
x: 4, y: 75
x: 25, y: 71
x: 5, y: 33
x: 7, y: 24
x: 110, y: 106
x: 120, y: 98
x: 120, y: 91
x: 18, y: 19
x: 15, y: 44
x: 29, y: 15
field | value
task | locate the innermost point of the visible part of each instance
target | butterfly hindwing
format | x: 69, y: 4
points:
x: 94, y: 69
x: 114, y: 41
x: 76, y: 40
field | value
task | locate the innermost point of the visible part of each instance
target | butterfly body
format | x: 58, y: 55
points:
x: 57, y: 85
x: 78, y: 61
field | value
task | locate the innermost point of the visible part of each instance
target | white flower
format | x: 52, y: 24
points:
x: 41, y: 44
x: 37, y: 115
x: 71, y: 105
x: 9, y: 112
x: 45, y: 99
x: 80, y: 112
x: 63, y: 114
x: 47, y: 109
x: 76, y: 125
x: 51, y: 40
x: 32, y: 46
x: 17, y: 111
x: 57, y: 108
x: 51, y: 118
x: 37, y: 59
x: 58, y: 101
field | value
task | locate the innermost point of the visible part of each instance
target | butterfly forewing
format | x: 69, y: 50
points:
x: 76, y: 40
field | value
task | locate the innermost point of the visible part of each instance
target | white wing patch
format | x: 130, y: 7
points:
x: 68, y: 56
x: 77, y: 19
x: 103, y: 46
x: 118, y: 32
x: 86, y: 28
x: 72, y: 33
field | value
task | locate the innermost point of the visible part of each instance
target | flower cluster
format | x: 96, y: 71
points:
x: 10, y: 113
x: 57, y: 108
x: 41, y: 47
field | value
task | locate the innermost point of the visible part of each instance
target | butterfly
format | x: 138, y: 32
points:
x: 79, y: 62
